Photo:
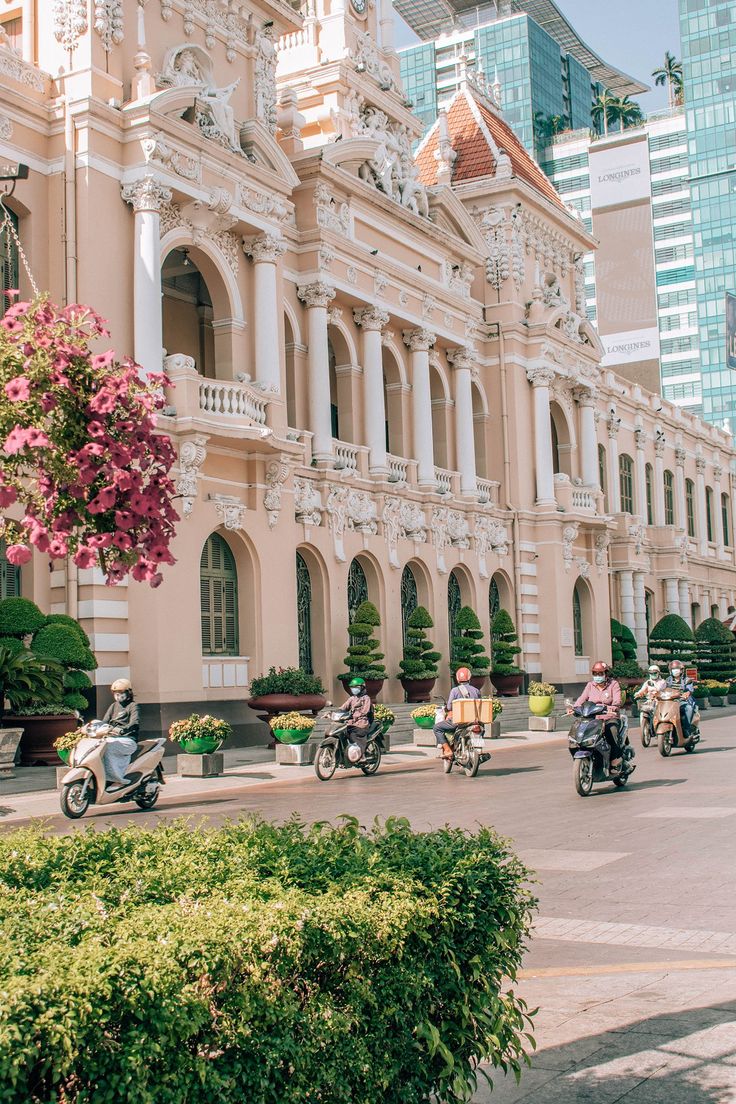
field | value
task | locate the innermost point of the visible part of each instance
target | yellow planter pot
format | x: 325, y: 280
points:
x: 541, y: 705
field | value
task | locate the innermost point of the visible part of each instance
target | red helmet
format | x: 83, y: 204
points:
x: 600, y: 668
x: 462, y: 674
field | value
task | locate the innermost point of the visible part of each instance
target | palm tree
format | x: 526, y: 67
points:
x: 670, y: 74
x: 604, y: 109
x: 628, y: 113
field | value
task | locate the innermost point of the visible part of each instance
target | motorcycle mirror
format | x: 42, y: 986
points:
x: 568, y: 702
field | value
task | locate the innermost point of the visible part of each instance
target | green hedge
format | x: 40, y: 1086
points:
x: 274, y: 965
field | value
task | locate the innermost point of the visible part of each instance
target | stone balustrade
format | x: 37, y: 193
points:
x: 232, y: 400
x: 575, y: 499
x: 446, y: 481
x: 350, y: 459
x: 488, y: 491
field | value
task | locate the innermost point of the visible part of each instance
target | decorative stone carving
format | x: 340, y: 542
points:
x: 683, y: 546
x: 391, y: 521
x: 458, y: 278
x: 192, y: 455
x: 147, y: 194
x: 458, y: 529
x: 334, y: 315
x: 317, y: 294
x: 268, y: 204
x: 370, y: 318
x: 109, y: 23
x: 190, y: 66
x: 276, y: 475
x: 403, y: 297
x: 367, y: 59
x: 6, y: 128
x: 231, y: 511
x: 614, y: 425
x: 206, y: 220
x: 326, y: 256
x: 569, y: 536
x: 640, y: 438
x: 352, y: 274
x: 540, y: 375
x: 490, y: 536
x: 717, y: 473
x: 680, y: 456
x: 156, y: 149
x: 13, y: 66
x: 331, y: 215
x: 580, y: 297
x: 267, y: 248
x: 441, y: 536
x: 637, y: 532
x: 502, y: 231
x: 230, y: 21
x: 307, y: 502
x: 265, y: 79
x: 659, y: 443
x: 462, y: 358
x: 392, y: 169
x: 70, y: 22
x: 413, y: 522
x: 351, y: 509
x: 419, y: 340
x: 380, y: 282
x: 429, y: 304
x: 700, y: 464
x: 602, y: 541
x: 583, y: 567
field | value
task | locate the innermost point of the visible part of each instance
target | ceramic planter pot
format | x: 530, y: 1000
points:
x: 200, y: 745
x: 386, y: 726
x: 271, y: 704
x: 39, y: 732
x: 292, y: 735
x: 64, y: 754
x: 541, y: 705
x: 508, y: 686
x: 478, y: 681
x: 417, y: 690
x: 424, y: 722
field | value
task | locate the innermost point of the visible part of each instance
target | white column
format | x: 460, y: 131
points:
x: 671, y: 596
x: 147, y: 196
x: 386, y: 24
x: 680, y: 503
x: 419, y: 342
x: 265, y: 252
x: 626, y: 599
x: 683, y: 589
x: 718, y: 519
x: 316, y: 298
x: 588, y: 440
x: 700, y: 522
x: 641, y: 475
x: 540, y: 379
x: 462, y: 361
x: 371, y: 321
x: 640, y: 617
x: 659, y: 483
x: 614, y: 479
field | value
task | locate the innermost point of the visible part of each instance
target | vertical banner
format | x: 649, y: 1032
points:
x: 731, y: 330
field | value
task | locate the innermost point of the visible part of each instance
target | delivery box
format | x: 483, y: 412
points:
x: 472, y: 711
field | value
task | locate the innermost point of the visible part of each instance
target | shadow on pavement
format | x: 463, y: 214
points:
x: 499, y: 772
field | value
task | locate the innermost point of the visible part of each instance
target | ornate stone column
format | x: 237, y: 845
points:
x: 718, y: 519
x: 640, y: 617
x: 316, y: 298
x: 659, y: 481
x: 626, y: 599
x: 588, y: 442
x: 419, y: 342
x: 461, y: 360
x: 700, y: 522
x: 540, y: 379
x: 614, y: 480
x: 683, y: 590
x: 265, y: 253
x: 641, y: 474
x: 371, y: 321
x: 680, y: 503
x: 671, y: 596
x: 147, y: 196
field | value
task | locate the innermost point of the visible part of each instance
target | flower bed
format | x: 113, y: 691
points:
x: 215, y: 961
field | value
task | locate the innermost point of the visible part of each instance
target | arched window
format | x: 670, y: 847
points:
x: 649, y: 483
x: 725, y: 511
x: 626, y: 483
x: 690, y: 506
x: 304, y: 614
x: 9, y: 575
x: 494, y: 599
x: 218, y: 596
x: 409, y: 598
x: 334, y: 409
x: 709, y: 513
x: 454, y: 605
x: 669, y: 498
x: 555, y: 448
x: 577, y: 623
x: 9, y: 269
x: 602, y: 474
x: 357, y: 587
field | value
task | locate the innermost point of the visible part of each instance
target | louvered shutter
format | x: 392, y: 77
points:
x: 218, y: 598
x: 9, y: 576
x: 9, y: 271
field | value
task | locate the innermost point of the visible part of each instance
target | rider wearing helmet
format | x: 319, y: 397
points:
x: 360, y: 707
x: 654, y: 682
x: 463, y: 689
x: 678, y: 680
x: 604, y: 690
x: 124, y: 721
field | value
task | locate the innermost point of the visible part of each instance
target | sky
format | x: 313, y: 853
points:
x: 630, y: 34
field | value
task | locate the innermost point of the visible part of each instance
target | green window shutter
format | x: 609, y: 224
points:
x: 218, y: 598
x: 9, y: 576
x: 9, y: 268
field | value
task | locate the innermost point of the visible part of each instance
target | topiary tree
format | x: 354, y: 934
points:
x: 624, y: 663
x: 467, y: 651
x: 671, y: 638
x: 363, y: 658
x: 715, y: 648
x: 65, y: 641
x: 504, y: 645
x: 420, y: 659
x: 19, y: 617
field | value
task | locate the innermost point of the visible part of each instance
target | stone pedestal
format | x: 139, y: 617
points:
x: 200, y: 766
x: 542, y: 724
x: 387, y: 742
x: 424, y: 737
x: 9, y: 740
x: 297, y: 755
x: 495, y: 730
x: 61, y: 773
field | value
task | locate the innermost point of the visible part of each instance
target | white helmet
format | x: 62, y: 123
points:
x: 121, y: 686
x: 654, y: 669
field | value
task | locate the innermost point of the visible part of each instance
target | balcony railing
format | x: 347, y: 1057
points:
x: 349, y: 459
x: 574, y: 498
x: 488, y: 491
x: 233, y: 400
x: 398, y: 469
x: 444, y: 480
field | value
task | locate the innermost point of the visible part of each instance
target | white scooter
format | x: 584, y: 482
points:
x: 84, y: 784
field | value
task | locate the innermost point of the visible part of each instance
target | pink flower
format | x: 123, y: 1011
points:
x: 105, y: 500
x: 160, y: 554
x: 100, y: 540
x: 122, y: 541
x: 8, y: 495
x: 18, y: 554
x: 95, y: 428
x: 19, y: 439
x: 18, y: 389
x: 156, y: 580
x: 85, y: 557
x: 48, y: 402
x: 124, y: 519
x: 57, y: 549
x: 103, y: 360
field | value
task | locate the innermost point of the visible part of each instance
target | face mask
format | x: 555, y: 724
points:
x: 120, y: 697
x: 676, y: 672
x: 355, y: 692
x: 599, y: 678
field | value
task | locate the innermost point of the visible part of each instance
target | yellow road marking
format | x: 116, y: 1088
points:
x: 629, y: 968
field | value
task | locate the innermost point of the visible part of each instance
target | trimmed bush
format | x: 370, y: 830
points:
x: 64, y: 641
x: 19, y: 617
x: 671, y: 638
x: 420, y: 659
x: 260, y: 963
x: 623, y: 643
x: 715, y: 647
x: 504, y: 645
x: 467, y: 651
x: 363, y: 657
x: 285, y: 680
x: 65, y: 619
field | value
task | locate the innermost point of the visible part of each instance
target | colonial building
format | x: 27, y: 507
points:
x: 383, y: 380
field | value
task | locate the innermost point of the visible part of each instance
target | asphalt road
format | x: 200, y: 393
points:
x: 633, y: 961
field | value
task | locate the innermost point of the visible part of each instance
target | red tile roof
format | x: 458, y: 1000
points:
x: 469, y: 124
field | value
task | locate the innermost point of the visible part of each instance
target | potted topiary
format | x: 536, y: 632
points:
x: 291, y: 728
x: 200, y: 735
x: 24, y: 678
x: 419, y: 665
x: 363, y: 658
x: 423, y: 716
x: 506, y: 676
x: 467, y: 651
x: 541, y: 698
x: 286, y: 690
x: 715, y: 649
x: 732, y: 692
x: 700, y: 693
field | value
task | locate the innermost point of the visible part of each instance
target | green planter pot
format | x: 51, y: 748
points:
x: 424, y: 722
x: 63, y: 754
x: 541, y: 705
x: 292, y: 735
x: 200, y: 745
x: 386, y: 726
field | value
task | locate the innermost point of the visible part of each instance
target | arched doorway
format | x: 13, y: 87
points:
x: 440, y: 411
x: 357, y: 587
x: 582, y: 619
x: 409, y: 599
x: 562, y: 443
x: 454, y: 605
x: 218, y: 591
x: 393, y: 393
x: 187, y: 311
x: 480, y: 421
x: 494, y: 599
x: 304, y: 614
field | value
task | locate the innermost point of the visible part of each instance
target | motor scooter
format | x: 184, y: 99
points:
x: 85, y: 783
x: 466, y: 743
x: 668, y: 723
x: 591, y: 751
x: 646, y: 721
x: 338, y: 749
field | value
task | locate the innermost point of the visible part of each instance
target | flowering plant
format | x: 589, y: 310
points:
x: 497, y: 707
x: 199, y: 728
x: 69, y: 740
x: 286, y: 680
x: 542, y: 690
x: 423, y: 711
x: 295, y: 721
x: 383, y: 714
x: 81, y: 457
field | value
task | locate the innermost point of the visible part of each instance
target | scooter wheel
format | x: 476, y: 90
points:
x: 73, y: 804
x: 583, y: 775
x: 371, y: 759
x: 646, y: 735
x: 664, y: 743
x: 147, y: 800
x: 471, y: 766
x: 325, y: 764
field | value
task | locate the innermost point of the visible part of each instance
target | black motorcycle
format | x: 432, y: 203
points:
x: 338, y: 749
x: 466, y: 744
x: 591, y: 751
